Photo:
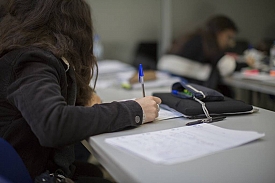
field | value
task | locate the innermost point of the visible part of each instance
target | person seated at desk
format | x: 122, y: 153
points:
x: 46, y: 103
x: 201, y: 57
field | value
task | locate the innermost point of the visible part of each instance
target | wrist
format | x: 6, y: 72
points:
x: 144, y: 117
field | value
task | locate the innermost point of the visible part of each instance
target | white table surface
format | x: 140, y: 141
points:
x: 251, y: 163
x: 260, y: 83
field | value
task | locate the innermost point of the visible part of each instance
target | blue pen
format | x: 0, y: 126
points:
x: 184, y: 94
x: 140, y: 78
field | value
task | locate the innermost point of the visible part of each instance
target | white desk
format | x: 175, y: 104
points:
x: 254, y: 83
x: 254, y: 90
x: 251, y: 163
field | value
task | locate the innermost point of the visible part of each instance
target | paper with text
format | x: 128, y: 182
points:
x: 182, y: 144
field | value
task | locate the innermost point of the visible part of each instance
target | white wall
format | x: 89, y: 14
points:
x: 255, y: 19
x: 123, y: 23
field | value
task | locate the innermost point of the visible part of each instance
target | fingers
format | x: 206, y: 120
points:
x: 150, y: 106
x: 157, y: 100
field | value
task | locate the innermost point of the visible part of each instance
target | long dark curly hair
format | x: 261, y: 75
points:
x: 63, y: 27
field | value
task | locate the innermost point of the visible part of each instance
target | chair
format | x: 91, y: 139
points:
x: 146, y: 54
x: 12, y: 168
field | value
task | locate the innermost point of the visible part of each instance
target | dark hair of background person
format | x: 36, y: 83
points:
x: 61, y: 27
x: 209, y: 32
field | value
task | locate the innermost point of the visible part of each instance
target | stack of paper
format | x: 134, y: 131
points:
x: 113, y: 66
x: 183, y: 143
x: 162, y: 79
x: 116, y: 73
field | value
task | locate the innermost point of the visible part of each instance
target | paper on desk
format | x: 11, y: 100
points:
x: 166, y: 112
x: 182, y: 144
x: 113, y: 66
x: 162, y: 79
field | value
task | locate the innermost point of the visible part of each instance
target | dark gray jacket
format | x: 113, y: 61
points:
x: 38, y: 115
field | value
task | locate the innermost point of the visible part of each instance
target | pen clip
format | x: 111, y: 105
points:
x: 206, y: 120
x: 213, y: 119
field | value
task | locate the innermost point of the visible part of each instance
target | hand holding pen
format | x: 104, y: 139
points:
x: 150, y: 107
x: 149, y: 104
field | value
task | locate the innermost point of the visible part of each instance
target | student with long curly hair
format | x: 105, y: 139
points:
x: 200, y: 56
x: 46, y: 103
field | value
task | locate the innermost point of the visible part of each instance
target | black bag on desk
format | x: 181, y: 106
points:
x: 192, y: 103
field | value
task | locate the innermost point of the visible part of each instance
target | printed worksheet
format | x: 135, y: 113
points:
x: 182, y: 144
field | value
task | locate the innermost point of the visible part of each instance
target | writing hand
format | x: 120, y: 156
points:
x: 150, y: 106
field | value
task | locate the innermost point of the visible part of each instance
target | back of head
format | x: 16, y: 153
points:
x: 32, y: 22
x: 220, y: 23
x: 63, y: 27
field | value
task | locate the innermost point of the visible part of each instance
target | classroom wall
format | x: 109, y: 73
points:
x: 255, y: 19
x: 123, y: 23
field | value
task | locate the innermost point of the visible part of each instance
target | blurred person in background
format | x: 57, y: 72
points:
x: 200, y: 57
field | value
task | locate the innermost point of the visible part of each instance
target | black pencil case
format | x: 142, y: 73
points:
x: 190, y: 90
x: 193, y: 109
x: 196, y: 101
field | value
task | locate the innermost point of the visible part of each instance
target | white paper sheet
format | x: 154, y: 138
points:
x: 113, y: 66
x: 182, y: 144
x: 166, y: 112
x: 117, y: 73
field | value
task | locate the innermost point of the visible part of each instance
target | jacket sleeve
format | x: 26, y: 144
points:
x: 36, y: 93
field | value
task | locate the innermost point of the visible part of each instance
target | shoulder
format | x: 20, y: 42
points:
x: 31, y: 55
x: 195, y: 40
x: 193, y: 48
